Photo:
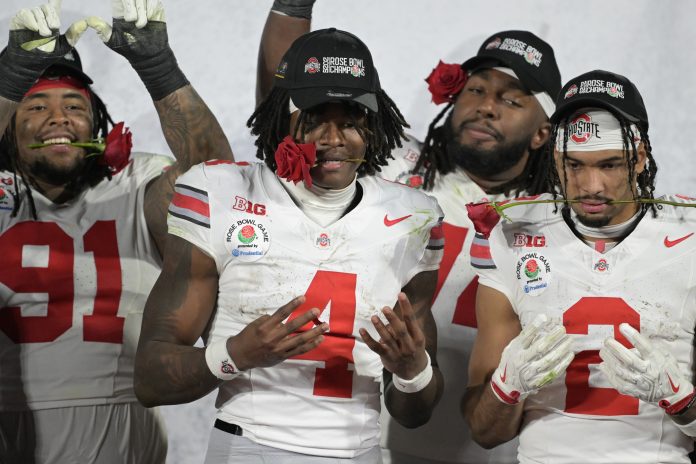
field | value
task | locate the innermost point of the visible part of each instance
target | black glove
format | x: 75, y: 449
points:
x: 22, y: 62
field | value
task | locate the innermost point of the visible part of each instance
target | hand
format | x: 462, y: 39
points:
x: 533, y: 359
x: 267, y: 341
x: 138, y: 31
x: 139, y: 34
x: 648, y: 372
x: 34, y: 45
x: 402, y: 342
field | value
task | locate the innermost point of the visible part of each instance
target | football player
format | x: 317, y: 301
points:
x: 82, y: 223
x: 586, y: 303
x: 309, y: 279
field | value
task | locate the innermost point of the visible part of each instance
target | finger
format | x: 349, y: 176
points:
x: 55, y: 5
x: 296, y: 323
x: 388, y: 338
x: 409, y: 316
x: 103, y: 29
x: 548, y: 343
x: 551, y: 359
x: 52, y: 16
x: 129, y: 10
x: 75, y: 31
x: 304, y: 347
x: 623, y: 355
x: 141, y: 13
x: 638, y: 340
x: 153, y: 8
x: 372, y: 344
x: 284, y: 311
x: 554, y: 373
x: 40, y: 20
x: 396, y: 326
x: 291, y: 341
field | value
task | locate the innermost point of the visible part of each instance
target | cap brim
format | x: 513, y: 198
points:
x: 584, y: 102
x: 71, y: 71
x: 313, y: 96
x: 486, y: 62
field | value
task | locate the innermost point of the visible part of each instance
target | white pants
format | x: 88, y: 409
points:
x: 101, y: 434
x: 226, y: 448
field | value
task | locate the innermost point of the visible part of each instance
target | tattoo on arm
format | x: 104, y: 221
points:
x: 169, y: 370
x: 194, y: 135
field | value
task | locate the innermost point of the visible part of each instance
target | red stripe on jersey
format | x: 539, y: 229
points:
x: 216, y: 162
x: 481, y: 251
x: 437, y: 233
x: 192, y: 204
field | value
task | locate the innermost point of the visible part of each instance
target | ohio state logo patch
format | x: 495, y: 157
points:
x: 312, y: 66
x: 582, y: 129
x: 572, y: 90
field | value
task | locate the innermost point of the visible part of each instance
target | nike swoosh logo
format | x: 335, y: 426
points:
x: 503, y: 376
x: 390, y: 222
x: 671, y: 384
x: 670, y: 243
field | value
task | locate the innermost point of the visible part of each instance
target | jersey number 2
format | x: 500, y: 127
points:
x: 338, y: 288
x: 55, y: 279
x: 581, y: 397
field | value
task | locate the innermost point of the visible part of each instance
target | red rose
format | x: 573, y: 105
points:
x: 484, y: 217
x: 294, y: 160
x: 117, y: 148
x: 445, y: 82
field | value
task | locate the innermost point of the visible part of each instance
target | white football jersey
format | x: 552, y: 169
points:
x: 446, y: 436
x: 325, y: 402
x: 73, y: 285
x: 647, y: 280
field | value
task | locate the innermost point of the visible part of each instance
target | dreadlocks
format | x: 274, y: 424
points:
x: 383, y: 132
x: 92, y: 174
x: 645, y: 181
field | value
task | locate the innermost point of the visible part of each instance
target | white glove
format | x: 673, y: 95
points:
x: 45, y: 20
x: 539, y: 354
x: 648, y: 372
x: 138, y: 11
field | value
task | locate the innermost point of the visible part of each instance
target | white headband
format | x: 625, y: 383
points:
x: 594, y: 130
x: 544, y: 99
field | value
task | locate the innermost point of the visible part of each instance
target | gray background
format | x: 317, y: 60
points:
x: 216, y: 42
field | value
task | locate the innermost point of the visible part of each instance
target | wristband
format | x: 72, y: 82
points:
x: 219, y: 360
x: 294, y: 8
x: 682, y: 406
x: 416, y: 384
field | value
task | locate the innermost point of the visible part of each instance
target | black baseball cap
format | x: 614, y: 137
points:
x: 69, y: 64
x: 328, y: 65
x: 527, y: 55
x: 602, y: 89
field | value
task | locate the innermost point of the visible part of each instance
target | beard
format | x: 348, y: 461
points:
x: 43, y: 169
x: 485, y: 163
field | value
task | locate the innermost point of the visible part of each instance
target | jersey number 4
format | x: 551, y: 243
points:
x: 54, y: 277
x: 338, y: 288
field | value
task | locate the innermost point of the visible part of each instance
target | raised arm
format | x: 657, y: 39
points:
x: 168, y: 368
x: 287, y: 20
x: 412, y: 381
x: 508, y: 364
x: 34, y: 44
x: 191, y: 130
